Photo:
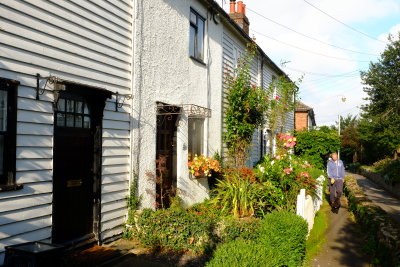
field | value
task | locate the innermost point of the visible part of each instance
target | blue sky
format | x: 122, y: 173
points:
x: 326, y: 79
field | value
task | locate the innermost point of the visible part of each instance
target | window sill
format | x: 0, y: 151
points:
x: 198, y: 60
x: 12, y: 187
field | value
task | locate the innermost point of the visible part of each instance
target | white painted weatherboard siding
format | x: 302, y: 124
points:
x: 89, y: 42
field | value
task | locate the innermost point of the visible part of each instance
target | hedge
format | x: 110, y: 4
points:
x: 378, y: 226
x: 280, y: 241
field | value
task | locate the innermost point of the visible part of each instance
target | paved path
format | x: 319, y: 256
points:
x: 343, y: 242
x: 379, y: 196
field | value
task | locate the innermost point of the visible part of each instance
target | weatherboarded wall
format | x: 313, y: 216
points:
x: 234, y: 48
x: 81, y: 41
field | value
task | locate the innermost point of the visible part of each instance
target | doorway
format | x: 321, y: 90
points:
x: 166, y: 156
x: 77, y: 163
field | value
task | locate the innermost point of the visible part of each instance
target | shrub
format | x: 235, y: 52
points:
x: 232, y: 229
x: 242, y: 194
x: 390, y: 168
x: 280, y: 241
x: 176, y: 228
x: 237, y: 195
x: 354, y: 167
x: 289, y: 173
x: 380, y: 165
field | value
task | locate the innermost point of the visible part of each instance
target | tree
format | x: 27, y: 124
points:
x: 347, y: 121
x: 316, y: 144
x: 381, y: 116
x: 247, y: 104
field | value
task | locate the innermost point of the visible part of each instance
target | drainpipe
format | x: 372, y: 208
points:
x: 262, y: 126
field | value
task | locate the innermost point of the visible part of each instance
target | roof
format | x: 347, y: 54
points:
x: 226, y: 16
x: 303, y: 107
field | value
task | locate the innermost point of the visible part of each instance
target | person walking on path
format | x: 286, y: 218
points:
x: 335, y: 170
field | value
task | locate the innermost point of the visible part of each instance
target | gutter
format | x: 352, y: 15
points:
x: 214, y: 5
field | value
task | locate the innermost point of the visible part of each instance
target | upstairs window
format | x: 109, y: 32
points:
x: 8, y: 118
x: 196, y: 42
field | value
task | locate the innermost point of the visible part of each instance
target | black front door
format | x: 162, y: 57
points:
x: 73, y: 177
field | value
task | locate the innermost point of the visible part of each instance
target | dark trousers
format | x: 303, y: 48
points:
x: 335, y: 189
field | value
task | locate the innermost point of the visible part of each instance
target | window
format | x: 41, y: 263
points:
x: 196, y: 136
x: 267, y: 142
x: 73, y: 113
x: 196, y: 35
x: 8, y: 105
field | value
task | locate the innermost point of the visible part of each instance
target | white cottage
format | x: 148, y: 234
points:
x: 182, y: 49
x: 65, y: 83
x: 92, y: 93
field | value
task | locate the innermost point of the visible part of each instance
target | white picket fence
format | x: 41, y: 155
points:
x: 308, y: 206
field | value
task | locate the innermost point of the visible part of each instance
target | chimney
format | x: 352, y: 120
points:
x: 239, y: 15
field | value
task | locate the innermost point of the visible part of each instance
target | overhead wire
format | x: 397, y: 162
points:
x: 341, y: 22
x: 309, y: 51
x: 307, y: 36
x: 320, y: 74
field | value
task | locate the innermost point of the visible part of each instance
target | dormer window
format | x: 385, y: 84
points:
x: 196, y: 42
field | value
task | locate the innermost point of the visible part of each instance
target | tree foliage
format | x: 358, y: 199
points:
x: 247, y: 104
x: 316, y: 144
x: 380, y: 122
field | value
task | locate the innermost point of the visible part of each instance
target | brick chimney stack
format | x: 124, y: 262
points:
x: 238, y: 14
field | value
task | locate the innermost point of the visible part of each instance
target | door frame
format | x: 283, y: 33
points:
x: 167, y: 113
x: 98, y: 98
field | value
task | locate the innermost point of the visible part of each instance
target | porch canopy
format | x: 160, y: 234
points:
x: 191, y: 110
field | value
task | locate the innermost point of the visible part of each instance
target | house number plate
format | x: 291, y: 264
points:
x: 74, y: 183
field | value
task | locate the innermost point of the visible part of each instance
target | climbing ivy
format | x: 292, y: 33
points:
x: 283, y: 93
x: 246, y: 106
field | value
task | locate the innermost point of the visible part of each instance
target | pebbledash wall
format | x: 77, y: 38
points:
x: 164, y: 72
x: 88, y: 42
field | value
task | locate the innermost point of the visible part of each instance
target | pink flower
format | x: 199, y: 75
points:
x: 288, y: 170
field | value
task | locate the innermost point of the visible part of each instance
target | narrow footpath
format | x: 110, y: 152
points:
x: 343, y: 242
x: 379, y: 196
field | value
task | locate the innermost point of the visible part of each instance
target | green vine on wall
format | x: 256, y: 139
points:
x: 283, y: 93
x: 247, y: 104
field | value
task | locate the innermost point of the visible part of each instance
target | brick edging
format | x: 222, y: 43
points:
x: 375, y: 221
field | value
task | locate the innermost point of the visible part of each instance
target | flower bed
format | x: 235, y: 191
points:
x: 383, y: 232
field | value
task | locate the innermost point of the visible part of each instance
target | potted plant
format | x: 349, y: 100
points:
x: 201, y: 166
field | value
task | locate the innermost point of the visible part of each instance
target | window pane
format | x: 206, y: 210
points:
x: 192, y: 41
x: 78, y: 121
x: 1, y: 154
x: 85, y: 108
x: 86, y: 122
x: 3, y: 110
x: 70, y: 120
x: 60, y: 119
x: 61, y: 104
x: 78, y: 107
x: 196, y: 135
x: 200, y: 38
x: 70, y: 105
x: 193, y: 17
